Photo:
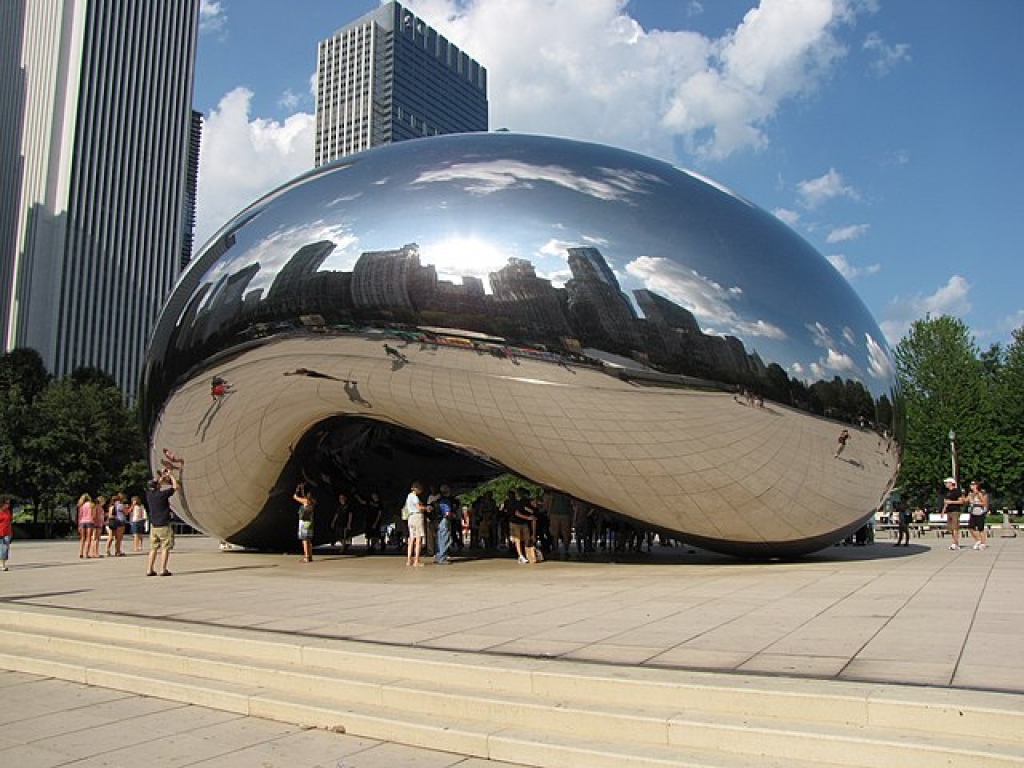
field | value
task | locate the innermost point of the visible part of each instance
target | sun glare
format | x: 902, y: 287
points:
x: 456, y: 257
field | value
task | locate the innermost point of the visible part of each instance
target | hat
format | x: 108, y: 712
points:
x: 949, y: 480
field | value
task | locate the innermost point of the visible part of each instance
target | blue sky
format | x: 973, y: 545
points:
x: 885, y: 132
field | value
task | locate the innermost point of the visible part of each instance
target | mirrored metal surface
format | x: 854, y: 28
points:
x: 597, y: 321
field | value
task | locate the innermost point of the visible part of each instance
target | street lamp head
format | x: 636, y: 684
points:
x: 952, y: 435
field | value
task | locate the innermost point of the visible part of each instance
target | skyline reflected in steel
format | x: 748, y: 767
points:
x: 586, y: 317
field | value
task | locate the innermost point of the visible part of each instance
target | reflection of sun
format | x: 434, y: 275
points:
x: 454, y: 257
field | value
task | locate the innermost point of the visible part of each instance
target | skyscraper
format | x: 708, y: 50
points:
x: 95, y: 166
x: 387, y: 77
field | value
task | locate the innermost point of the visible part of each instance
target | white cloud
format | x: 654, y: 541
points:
x: 212, y: 17
x: 879, y: 363
x: 886, y: 56
x: 643, y: 88
x: 814, y: 192
x: 649, y: 90
x: 851, y: 232
x: 788, y: 217
x: 243, y: 158
x: 953, y: 298
x: 849, y: 271
x: 711, y: 303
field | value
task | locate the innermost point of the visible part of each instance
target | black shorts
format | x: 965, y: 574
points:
x: 976, y: 523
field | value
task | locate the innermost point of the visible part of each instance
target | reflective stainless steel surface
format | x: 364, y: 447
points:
x: 589, y: 318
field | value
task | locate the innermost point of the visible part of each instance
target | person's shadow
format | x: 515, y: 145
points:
x: 352, y: 390
x: 207, y: 420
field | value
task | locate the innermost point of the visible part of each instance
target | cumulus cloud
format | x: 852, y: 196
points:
x: 849, y: 271
x: 603, y: 78
x: 831, y: 185
x: 953, y: 298
x: 243, y: 157
x: 644, y: 88
x: 851, y: 232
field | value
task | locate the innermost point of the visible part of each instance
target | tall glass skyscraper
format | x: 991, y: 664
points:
x: 387, y: 77
x: 97, y: 143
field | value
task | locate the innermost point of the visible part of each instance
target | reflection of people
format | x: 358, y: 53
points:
x: 951, y: 505
x: 6, y: 531
x: 218, y: 387
x: 171, y: 461
x: 389, y: 350
x: 161, y: 534
x: 977, y: 505
x: 844, y: 436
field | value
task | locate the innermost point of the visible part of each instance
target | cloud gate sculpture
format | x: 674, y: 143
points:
x: 594, y: 320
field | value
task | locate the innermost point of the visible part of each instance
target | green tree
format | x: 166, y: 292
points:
x: 84, y: 438
x: 1007, y: 453
x: 943, y: 389
x: 23, y: 378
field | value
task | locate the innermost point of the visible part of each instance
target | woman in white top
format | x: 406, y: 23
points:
x: 414, y: 509
x: 137, y: 519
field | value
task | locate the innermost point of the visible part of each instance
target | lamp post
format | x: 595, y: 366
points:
x: 952, y: 454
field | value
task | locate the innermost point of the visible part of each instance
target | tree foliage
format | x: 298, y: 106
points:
x: 60, y: 438
x: 950, y: 387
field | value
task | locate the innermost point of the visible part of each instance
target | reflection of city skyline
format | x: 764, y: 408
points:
x: 590, y: 311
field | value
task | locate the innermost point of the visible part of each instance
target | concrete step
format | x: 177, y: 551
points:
x: 389, y: 693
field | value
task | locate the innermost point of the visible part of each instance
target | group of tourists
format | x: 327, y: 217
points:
x: 432, y: 522
x: 116, y: 516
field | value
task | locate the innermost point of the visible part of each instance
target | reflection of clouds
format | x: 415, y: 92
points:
x: 709, y: 302
x: 879, y: 362
x: 820, y: 335
x: 485, y: 178
x: 344, y: 199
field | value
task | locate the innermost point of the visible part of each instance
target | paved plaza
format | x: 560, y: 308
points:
x: 919, y: 615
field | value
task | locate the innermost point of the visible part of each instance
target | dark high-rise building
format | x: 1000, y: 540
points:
x: 195, y: 138
x: 388, y: 76
x: 96, y: 132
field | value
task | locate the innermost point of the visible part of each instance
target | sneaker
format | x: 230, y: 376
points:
x: 983, y: 545
x: 954, y: 546
x: 977, y: 545
x: 523, y: 559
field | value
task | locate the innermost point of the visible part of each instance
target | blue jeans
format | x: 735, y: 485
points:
x: 444, y: 539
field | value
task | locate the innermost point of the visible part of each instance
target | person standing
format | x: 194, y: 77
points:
x: 6, y: 531
x: 99, y: 516
x: 559, y: 509
x: 307, y: 505
x: 161, y: 534
x: 341, y: 522
x: 415, y: 510
x: 977, y: 505
x: 446, y: 510
x: 84, y: 525
x: 903, y: 519
x: 953, y: 501
x: 137, y: 516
